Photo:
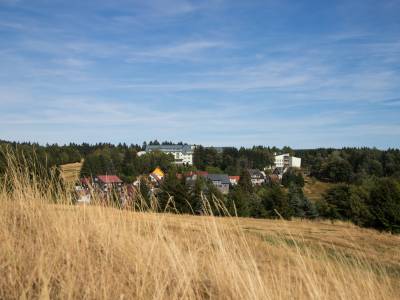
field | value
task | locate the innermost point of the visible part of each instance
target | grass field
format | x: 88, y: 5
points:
x: 61, y: 251
x: 70, y: 172
x: 314, y: 189
x: 92, y: 252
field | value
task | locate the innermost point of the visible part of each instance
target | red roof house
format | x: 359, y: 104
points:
x: 109, y: 179
x: 86, y: 181
x: 234, y: 180
x: 106, y: 182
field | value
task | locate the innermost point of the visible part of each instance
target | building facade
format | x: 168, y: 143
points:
x: 257, y: 177
x: 220, y: 181
x: 108, y: 182
x: 286, y: 161
x: 183, y: 154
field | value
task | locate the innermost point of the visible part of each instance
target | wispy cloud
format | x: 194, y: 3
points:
x: 189, y: 50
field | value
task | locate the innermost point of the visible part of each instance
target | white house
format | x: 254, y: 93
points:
x: 286, y: 161
x: 183, y: 154
x: 257, y: 176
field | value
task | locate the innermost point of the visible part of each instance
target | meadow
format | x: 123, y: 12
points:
x: 55, y: 250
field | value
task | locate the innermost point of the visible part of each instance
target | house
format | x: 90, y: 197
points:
x: 283, y: 162
x: 192, y: 176
x: 279, y: 171
x: 287, y: 161
x: 221, y: 181
x: 157, y: 175
x: 257, y: 177
x: 183, y: 154
x: 85, y: 182
x: 234, y: 180
x: 108, y: 182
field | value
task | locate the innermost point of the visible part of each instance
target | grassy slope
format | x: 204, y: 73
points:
x: 314, y: 189
x: 92, y: 252
x: 70, y: 172
x: 104, y: 253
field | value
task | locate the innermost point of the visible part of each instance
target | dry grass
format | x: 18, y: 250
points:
x: 70, y: 172
x: 92, y: 252
x: 314, y: 189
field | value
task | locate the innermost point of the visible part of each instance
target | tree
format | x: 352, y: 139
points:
x: 293, y: 176
x: 197, y: 195
x: 213, y: 170
x: 301, y: 206
x: 149, y: 161
x: 384, y: 205
x: 206, y: 157
x: 296, y: 201
x: 372, y: 167
x: 128, y: 169
x: 275, y: 202
x: 310, y: 209
x: 346, y: 202
x: 174, y: 194
x: 238, y: 202
x: 338, y: 200
x: 287, y: 149
x: 245, y: 182
x: 336, y: 169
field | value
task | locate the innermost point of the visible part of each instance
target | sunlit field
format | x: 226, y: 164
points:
x: 59, y: 250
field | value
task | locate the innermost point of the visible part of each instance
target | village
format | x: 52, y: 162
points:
x: 105, y: 185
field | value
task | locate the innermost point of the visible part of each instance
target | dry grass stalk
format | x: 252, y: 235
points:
x: 65, y: 251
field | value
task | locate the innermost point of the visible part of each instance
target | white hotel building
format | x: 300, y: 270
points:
x: 286, y: 161
x: 183, y: 154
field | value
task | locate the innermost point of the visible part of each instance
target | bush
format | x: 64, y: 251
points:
x: 346, y: 202
x: 384, y: 205
x: 275, y: 201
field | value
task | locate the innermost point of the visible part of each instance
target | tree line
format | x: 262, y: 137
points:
x: 367, y: 190
x: 350, y: 165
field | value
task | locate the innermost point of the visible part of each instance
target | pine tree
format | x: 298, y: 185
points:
x: 245, y: 182
x: 296, y: 201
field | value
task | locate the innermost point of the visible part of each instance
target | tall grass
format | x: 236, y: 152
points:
x: 60, y: 250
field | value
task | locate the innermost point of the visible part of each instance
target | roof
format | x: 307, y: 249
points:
x: 278, y: 171
x: 286, y: 155
x: 198, y: 173
x: 156, y: 177
x: 109, y: 178
x: 236, y: 178
x: 85, y: 181
x: 255, y: 173
x: 170, y: 148
x: 223, y: 178
x: 157, y: 171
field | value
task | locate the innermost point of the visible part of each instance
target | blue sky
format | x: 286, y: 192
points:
x: 299, y: 73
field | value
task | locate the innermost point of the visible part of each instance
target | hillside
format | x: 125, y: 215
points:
x: 314, y: 189
x: 70, y: 172
x: 63, y: 251
x: 52, y: 251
